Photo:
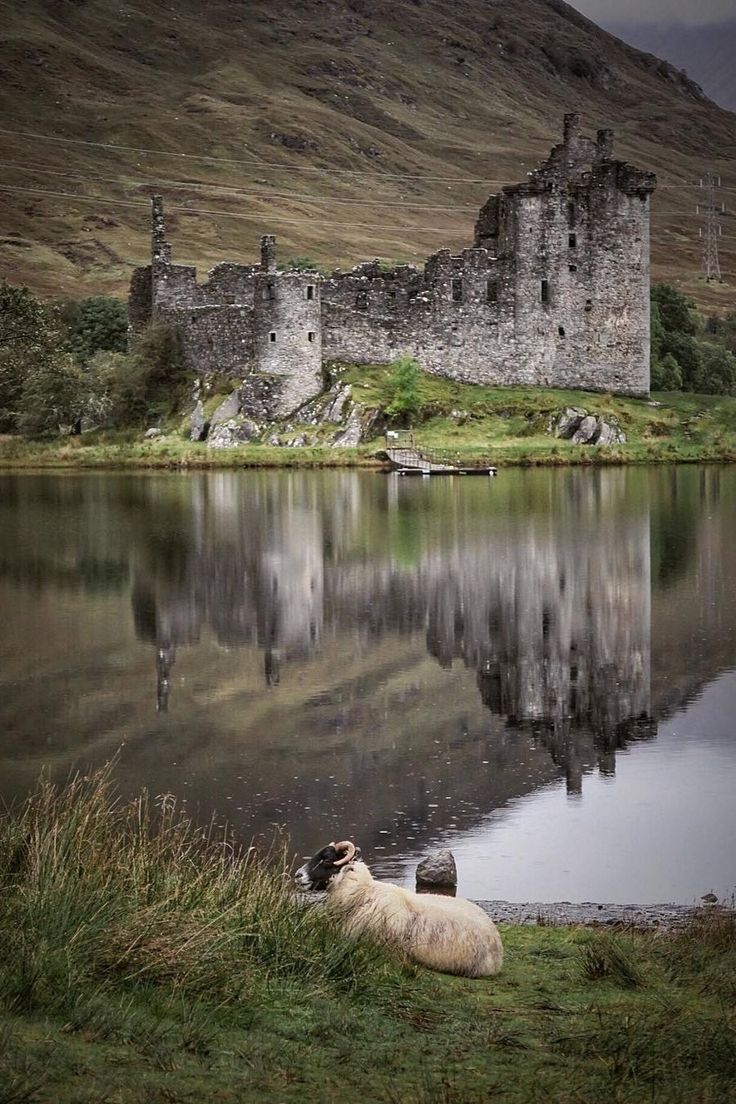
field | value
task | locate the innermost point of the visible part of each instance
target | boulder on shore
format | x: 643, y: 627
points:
x: 233, y: 433
x: 581, y: 428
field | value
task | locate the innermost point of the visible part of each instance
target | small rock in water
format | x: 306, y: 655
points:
x: 438, y: 869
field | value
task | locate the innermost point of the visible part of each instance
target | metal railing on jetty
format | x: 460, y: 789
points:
x: 408, y: 457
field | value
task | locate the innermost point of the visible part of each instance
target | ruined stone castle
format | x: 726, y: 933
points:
x: 553, y: 292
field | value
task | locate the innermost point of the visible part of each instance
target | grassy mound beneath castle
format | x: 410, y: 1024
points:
x: 146, y: 960
x: 501, y: 426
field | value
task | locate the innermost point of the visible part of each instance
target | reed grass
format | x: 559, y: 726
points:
x: 98, y: 892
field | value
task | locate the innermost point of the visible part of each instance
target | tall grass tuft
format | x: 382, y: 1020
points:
x: 610, y: 957
x: 99, y: 896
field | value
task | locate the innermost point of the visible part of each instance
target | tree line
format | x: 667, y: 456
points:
x: 689, y: 352
x: 65, y: 365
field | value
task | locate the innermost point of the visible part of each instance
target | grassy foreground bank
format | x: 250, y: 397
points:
x: 145, y: 961
x: 501, y: 426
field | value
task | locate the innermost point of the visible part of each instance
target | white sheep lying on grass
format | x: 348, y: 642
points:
x: 443, y: 933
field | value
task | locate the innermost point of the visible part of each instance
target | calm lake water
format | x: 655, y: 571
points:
x: 537, y: 670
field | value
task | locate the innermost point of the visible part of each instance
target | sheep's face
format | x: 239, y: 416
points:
x: 317, y: 872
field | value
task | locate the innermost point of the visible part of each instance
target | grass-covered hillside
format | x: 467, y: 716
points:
x: 471, y: 424
x: 145, y: 961
x: 350, y: 128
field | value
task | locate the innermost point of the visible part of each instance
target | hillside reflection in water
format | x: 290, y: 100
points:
x: 533, y: 670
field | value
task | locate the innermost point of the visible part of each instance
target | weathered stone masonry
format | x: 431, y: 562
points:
x: 553, y: 292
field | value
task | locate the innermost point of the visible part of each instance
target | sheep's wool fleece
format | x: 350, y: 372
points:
x: 448, y: 934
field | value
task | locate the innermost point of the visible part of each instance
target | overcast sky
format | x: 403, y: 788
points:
x: 656, y: 11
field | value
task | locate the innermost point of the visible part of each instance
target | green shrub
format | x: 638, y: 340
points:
x: 404, y: 403
x: 666, y: 374
x: 152, y: 382
x: 302, y: 264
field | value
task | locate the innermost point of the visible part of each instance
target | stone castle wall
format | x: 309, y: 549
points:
x: 554, y: 292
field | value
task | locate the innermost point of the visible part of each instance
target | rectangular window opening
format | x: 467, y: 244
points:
x: 361, y: 300
x: 269, y: 292
x: 272, y: 335
x: 492, y: 291
x: 571, y: 212
x: 310, y: 291
x: 561, y: 331
x: 588, y: 304
x: 457, y: 290
x: 229, y: 298
x: 311, y: 335
x: 572, y: 268
x: 572, y: 240
x: 545, y: 291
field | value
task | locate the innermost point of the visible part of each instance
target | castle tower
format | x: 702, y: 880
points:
x: 287, y: 316
x: 160, y: 248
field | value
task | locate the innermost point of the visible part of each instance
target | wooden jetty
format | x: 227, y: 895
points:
x: 415, y: 460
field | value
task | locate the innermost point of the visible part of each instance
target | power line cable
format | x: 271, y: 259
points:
x: 242, y: 161
x: 258, y: 217
x: 292, y: 168
x: 267, y: 196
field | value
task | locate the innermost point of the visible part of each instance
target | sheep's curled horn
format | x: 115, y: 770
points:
x: 348, y: 847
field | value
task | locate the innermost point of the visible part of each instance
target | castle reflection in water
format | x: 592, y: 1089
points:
x: 547, y: 601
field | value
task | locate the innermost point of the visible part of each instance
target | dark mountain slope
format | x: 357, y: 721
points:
x: 706, y: 53
x: 309, y: 93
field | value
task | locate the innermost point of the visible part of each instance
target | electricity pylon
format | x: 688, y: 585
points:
x: 710, y: 231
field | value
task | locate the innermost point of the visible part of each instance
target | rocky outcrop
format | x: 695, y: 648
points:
x: 361, y: 424
x: 233, y: 433
x: 228, y: 408
x: 581, y: 428
x: 335, y: 409
x: 198, y: 423
x: 585, y: 431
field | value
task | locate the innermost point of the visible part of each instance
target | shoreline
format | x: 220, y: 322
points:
x: 20, y: 456
x: 473, y: 426
x: 561, y: 914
